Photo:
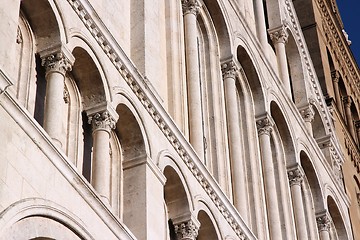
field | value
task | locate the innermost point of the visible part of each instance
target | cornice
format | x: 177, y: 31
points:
x: 339, y: 46
x: 153, y: 106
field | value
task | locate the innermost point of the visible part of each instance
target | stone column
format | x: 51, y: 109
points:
x: 260, y: 23
x: 308, y: 115
x: 349, y: 118
x: 102, y: 123
x: 357, y: 127
x: 190, y: 10
x: 230, y: 70
x: 336, y: 77
x: 279, y: 36
x: 187, y: 230
x: 323, y: 223
x: 265, y: 126
x: 57, y: 63
x: 296, y: 177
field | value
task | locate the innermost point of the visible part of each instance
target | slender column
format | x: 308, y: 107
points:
x: 57, y: 64
x: 279, y: 36
x: 187, y: 230
x: 296, y: 176
x: 308, y: 115
x: 336, y: 77
x: 349, y: 118
x: 102, y: 123
x: 260, y: 23
x: 265, y: 126
x: 323, y: 224
x: 357, y: 127
x: 190, y: 10
x: 229, y: 70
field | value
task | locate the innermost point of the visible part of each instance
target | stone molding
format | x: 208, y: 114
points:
x: 190, y: 6
x: 229, y: 69
x: 323, y: 222
x: 308, y: 113
x: 186, y: 230
x: 265, y: 125
x: 279, y: 35
x: 151, y: 104
x: 296, y: 175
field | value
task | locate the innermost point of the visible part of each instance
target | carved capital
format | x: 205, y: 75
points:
x: 56, y: 62
x: 190, y: 6
x: 335, y: 75
x: 265, y: 125
x: 102, y: 121
x: 323, y: 222
x: 229, y: 69
x: 296, y: 176
x: 357, y: 125
x: 186, y: 230
x: 347, y: 101
x: 308, y: 113
x: 279, y: 35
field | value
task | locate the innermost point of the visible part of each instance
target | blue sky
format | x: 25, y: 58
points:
x: 350, y: 15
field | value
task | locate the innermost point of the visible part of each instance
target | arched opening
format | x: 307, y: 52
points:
x: 207, y: 229
x: 337, y: 230
x: 40, y: 228
x: 296, y: 73
x: 312, y: 195
x: 177, y: 204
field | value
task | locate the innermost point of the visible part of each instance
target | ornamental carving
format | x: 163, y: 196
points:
x: 102, y: 121
x: 335, y: 75
x: 323, y: 223
x: 347, y: 101
x: 296, y: 176
x: 308, y: 113
x: 279, y: 35
x: 264, y: 125
x: 56, y: 62
x: 190, y: 6
x: 229, y: 69
x: 186, y: 230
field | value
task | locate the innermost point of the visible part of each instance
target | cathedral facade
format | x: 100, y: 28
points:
x: 178, y: 119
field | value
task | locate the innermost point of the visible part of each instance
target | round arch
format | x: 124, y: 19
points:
x: 41, y: 211
x: 46, y: 26
x: 285, y: 133
x: 253, y: 79
x: 221, y: 27
x: 337, y: 219
x: 208, y: 224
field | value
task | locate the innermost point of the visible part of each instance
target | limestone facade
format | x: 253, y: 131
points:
x: 177, y: 119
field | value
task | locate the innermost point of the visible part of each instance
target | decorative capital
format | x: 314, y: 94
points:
x: 279, y: 35
x: 296, y: 176
x: 265, y: 125
x: 56, y: 62
x: 323, y: 222
x: 229, y: 69
x: 102, y: 121
x: 190, y: 6
x: 308, y: 113
x: 347, y: 101
x: 186, y: 230
x: 335, y: 75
